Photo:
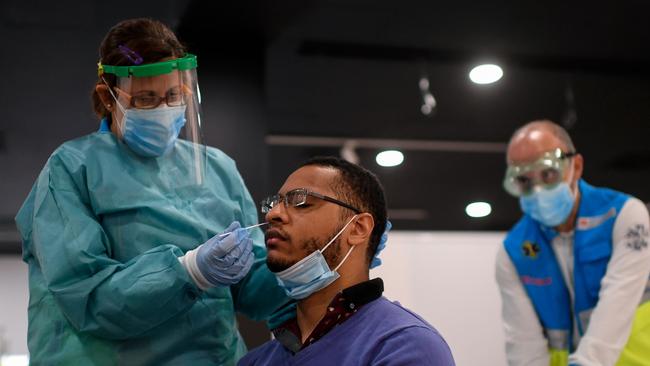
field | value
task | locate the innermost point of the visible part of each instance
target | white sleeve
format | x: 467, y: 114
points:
x: 525, y: 340
x: 621, y: 289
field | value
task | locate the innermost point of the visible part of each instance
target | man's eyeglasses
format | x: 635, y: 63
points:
x: 297, y: 198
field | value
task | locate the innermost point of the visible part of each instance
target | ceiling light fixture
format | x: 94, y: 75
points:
x: 486, y: 74
x: 428, y: 101
x: 390, y: 158
x: 478, y: 209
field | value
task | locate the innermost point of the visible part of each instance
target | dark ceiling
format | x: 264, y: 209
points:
x: 350, y: 70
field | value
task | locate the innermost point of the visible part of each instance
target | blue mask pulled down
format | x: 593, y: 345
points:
x: 311, y: 273
x: 153, y: 132
x: 550, y: 207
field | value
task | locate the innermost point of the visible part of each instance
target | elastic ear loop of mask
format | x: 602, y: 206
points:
x: 110, y: 90
x: 335, y: 237
x: 572, y: 167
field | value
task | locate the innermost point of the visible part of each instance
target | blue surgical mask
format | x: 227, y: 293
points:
x: 311, y: 273
x: 153, y: 132
x: 550, y: 207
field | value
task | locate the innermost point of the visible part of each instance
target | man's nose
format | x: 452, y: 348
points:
x: 277, y: 213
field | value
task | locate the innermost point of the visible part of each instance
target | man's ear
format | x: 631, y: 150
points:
x: 361, y: 229
x: 578, y: 164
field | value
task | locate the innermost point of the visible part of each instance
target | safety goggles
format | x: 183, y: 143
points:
x: 298, y: 197
x: 546, y: 172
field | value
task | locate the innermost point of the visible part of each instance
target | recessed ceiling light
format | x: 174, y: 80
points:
x: 486, y: 74
x: 478, y: 209
x: 390, y: 158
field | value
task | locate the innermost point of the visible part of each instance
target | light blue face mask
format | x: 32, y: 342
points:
x: 550, y: 207
x: 311, y: 273
x: 153, y: 132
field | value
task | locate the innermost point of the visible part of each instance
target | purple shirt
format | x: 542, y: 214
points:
x: 380, y: 333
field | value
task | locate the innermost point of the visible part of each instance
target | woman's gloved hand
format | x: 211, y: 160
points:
x: 223, y: 260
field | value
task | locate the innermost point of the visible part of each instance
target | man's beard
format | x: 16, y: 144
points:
x: 332, y: 254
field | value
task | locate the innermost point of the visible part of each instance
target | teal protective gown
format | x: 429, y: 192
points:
x: 102, y: 231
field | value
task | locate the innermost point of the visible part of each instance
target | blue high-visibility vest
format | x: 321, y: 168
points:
x: 529, y: 246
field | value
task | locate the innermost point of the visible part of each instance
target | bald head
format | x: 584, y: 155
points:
x: 535, y: 138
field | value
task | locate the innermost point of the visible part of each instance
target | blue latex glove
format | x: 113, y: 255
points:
x: 382, y: 244
x: 224, y: 260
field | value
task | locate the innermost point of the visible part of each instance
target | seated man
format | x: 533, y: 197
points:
x: 325, y: 225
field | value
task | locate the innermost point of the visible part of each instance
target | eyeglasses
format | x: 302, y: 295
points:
x: 174, y: 97
x: 546, y: 172
x: 298, y: 197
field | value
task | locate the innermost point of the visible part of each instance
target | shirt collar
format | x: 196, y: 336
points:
x: 364, y: 292
x: 344, y: 305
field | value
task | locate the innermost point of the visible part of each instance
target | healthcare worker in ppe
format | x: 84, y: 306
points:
x: 134, y: 234
x: 574, y: 271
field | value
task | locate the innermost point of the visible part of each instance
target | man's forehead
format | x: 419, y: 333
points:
x: 316, y: 178
x: 531, y: 146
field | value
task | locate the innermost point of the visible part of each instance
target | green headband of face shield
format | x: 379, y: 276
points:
x: 187, y: 62
x: 546, y: 172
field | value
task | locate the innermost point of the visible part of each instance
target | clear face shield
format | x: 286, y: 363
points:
x: 545, y: 173
x: 158, y: 112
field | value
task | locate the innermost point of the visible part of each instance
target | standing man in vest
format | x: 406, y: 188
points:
x: 574, y: 271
